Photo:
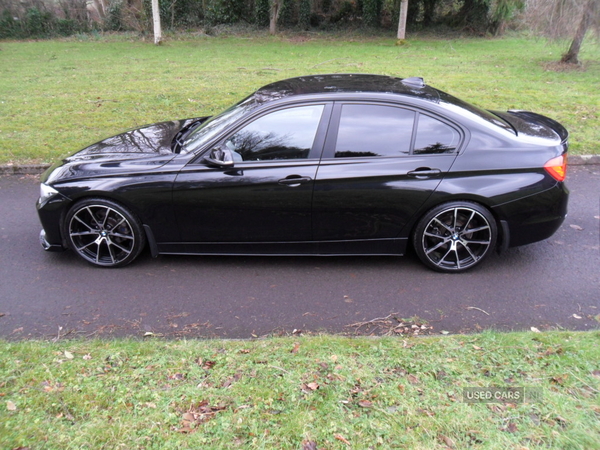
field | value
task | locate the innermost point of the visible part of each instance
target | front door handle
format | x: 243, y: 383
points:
x: 422, y: 173
x: 294, y: 180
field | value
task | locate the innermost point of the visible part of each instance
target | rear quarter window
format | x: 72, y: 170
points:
x: 435, y: 137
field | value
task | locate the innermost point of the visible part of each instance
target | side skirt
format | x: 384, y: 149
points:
x: 330, y: 248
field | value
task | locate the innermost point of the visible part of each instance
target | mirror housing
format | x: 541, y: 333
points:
x: 219, y: 157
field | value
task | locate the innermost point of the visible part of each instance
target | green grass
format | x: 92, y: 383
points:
x: 323, y: 392
x: 58, y: 96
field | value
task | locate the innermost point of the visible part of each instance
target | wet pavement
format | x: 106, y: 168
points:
x: 554, y: 284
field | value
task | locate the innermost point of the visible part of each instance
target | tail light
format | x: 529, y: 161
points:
x: 557, y: 167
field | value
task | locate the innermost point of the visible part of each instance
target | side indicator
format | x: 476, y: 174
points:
x: 557, y: 167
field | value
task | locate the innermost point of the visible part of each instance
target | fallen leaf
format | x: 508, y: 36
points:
x: 511, y: 427
x: 444, y: 332
x: 477, y: 347
x: 365, y: 404
x: 87, y: 357
x: 576, y: 316
x: 309, y: 445
x: 446, y: 440
x: 313, y: 386
x: 68, y: 355
x: 535, y: 330
x: 296, y: 347
x: 339, y: 437
x: 576, y: 227
x: 412, y: 379
x: 188, y: 417
x: 11, y: 406
x: 596, y: 373
x: 559, y: 379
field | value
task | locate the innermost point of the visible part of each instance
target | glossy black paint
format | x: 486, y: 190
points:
x: 321, y: 204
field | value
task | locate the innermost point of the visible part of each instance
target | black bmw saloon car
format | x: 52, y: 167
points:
x: 340, y: 164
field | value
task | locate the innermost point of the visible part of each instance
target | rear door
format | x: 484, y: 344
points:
x: 381, y: 163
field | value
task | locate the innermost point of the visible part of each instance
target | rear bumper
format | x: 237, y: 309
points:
x: 534, y: 218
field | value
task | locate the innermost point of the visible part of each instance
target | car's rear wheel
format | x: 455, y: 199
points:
x: 455, y: 236
x: 104, y: 233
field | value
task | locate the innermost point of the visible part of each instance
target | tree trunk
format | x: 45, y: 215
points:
x: 156, y: 20
x: 275, y: 10
x: 572, y: 56
x: 402, y: 20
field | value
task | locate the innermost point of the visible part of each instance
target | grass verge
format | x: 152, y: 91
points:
x: 322, y: 392
x: 60, y: 95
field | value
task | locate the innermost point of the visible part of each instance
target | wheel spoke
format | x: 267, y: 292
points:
x: 122, y: 236
x: 110, y: 252
x: 441, y: 260
x: 469, y: 221
x: 83, y: 223
x: 86, y: 246
x: 118, y: 223
x: 85, y: 233
x: 466, y: 247
x: 123, y: 249
x: 443, y: 224
x: 455, y: 219
x: 98, y: 224
x: 433, y: 249
x: 475, y: 230
x: 467, y: 241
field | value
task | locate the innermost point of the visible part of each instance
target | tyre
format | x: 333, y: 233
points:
x: 104, y: 233
x: 455, y: 236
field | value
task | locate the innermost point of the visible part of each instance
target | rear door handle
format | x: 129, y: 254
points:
x: 423, y: 173
x: 294, y: 180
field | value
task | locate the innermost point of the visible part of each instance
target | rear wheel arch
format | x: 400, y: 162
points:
x: 456, y: 235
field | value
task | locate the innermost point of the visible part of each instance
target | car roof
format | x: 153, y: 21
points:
x: 346, y: 83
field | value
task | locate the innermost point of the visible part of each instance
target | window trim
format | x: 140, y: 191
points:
x: 334, y: 127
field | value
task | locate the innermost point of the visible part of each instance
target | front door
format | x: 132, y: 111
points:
x: 267, y: 195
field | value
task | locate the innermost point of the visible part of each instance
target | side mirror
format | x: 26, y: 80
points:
x: 219, y: 157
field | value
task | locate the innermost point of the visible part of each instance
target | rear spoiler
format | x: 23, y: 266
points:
x: 553, y: 124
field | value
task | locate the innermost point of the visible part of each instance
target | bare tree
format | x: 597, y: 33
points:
x: 590, y: 17
x: 275, y: 10
x: 565, y: 19
x: 402, y: 20
x: 156, y: 20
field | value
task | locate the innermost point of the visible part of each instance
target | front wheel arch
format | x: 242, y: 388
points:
x: 103, y: 232
x: 455, y: 236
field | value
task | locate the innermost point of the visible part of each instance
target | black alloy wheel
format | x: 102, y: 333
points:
x: 455, y: 236
x: 104, y: 233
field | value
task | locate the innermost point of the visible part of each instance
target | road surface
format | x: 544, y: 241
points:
x: 548, y: 285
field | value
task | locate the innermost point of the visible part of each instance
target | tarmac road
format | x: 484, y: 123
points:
x: 550, y: 284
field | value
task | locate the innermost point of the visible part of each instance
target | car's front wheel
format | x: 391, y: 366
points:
x: 455, y: 236
x: 103, y: 232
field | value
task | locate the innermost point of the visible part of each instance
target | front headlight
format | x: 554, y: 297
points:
x: 46, y: 193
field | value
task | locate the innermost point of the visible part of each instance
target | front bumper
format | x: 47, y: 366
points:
x: 48, y: 246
